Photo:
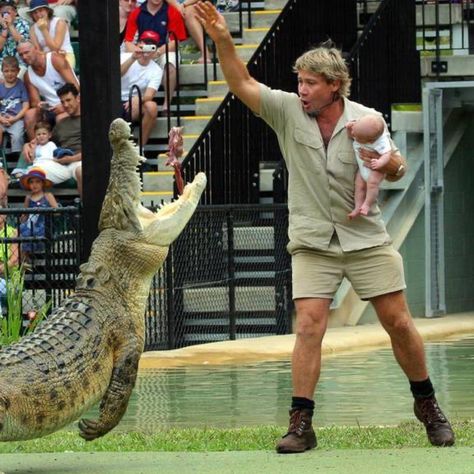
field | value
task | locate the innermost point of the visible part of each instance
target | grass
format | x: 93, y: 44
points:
x: 406, y: 435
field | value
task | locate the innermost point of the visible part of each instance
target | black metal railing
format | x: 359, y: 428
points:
x: 444, y: 28
x: 385, y: 67
x: 234, y: 142
x: 227, y: 276
x: 47, y: 244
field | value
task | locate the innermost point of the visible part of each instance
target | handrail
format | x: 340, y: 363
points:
x: 140, y: 113
x: 234, y: 141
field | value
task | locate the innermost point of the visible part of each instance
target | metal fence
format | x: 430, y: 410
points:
x: 47, y: 245
x: 226, y: 277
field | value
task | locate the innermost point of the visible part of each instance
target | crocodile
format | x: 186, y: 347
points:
x: 89, y: 348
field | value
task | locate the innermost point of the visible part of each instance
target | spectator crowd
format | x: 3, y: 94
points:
x: 40, y: 112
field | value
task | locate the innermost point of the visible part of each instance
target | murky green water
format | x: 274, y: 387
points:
x: 362, y: 388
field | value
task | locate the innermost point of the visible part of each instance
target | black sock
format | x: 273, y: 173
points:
x: 302, y: 403
x: 423, y: 389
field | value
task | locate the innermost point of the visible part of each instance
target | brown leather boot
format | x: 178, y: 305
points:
x: 437, y: 426
x: 300, y: 436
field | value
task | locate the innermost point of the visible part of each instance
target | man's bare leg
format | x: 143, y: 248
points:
x: 311, y: 323
x: 409, y: 351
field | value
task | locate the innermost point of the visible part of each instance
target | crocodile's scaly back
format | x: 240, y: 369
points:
x: 88, y: 349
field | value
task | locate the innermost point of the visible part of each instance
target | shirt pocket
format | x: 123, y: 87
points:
x: 309, y: 146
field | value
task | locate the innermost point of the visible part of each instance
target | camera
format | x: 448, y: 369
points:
x: 148, y: 48
x: 5, y: 15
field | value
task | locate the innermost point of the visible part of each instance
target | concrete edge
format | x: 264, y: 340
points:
x: 336, y: 341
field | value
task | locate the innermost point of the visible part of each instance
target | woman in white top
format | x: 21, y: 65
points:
x: 50, y: 33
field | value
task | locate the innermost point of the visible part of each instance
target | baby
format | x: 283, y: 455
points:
x: 368, y: 132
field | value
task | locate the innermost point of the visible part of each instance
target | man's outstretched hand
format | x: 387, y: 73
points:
x: 211, y: 20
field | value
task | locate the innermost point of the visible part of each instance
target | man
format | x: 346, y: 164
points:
x: 158, y: 16
x: 325, y: 245
x: 45, y: 75
x: 67, y: 136
x: 139, y: 69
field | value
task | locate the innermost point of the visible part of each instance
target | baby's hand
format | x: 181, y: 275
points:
x: 375, y: 164
x: 349, y: 126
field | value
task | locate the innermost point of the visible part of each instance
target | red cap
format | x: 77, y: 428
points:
x: 150, y: 36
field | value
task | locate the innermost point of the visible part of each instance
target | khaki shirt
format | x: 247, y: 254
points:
x: 321, y: 182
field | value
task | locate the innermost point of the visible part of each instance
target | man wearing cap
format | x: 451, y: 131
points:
x: 158, y: 16
x: 138, y: 68
x: 65, y: 9
x: 13, y: 29
x: 45, y: 75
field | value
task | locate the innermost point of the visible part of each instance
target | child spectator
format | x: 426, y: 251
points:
x: 33, y: 225
x: 14, y: 103
x: 13, y: 30
x: 50, y: 33
x: 44, y: 149
x: 368, y: 132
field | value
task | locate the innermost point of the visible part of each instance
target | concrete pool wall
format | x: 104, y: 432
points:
x: 337, y: 341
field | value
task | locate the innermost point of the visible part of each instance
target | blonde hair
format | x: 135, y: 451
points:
x: 328, y: 62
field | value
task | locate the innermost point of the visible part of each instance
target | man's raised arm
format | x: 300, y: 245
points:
x: 245, y: 87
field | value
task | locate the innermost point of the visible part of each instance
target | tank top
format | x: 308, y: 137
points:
x: 48, y: 84
x: 66, y: 46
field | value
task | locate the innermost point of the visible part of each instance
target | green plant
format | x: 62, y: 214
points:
x: 11, y: 325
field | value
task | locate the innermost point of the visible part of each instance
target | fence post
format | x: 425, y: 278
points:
x: 231, y: 274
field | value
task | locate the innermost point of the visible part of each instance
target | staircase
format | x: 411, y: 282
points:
x: 200, y: 104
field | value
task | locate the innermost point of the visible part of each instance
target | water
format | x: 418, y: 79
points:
x: 360, y: 388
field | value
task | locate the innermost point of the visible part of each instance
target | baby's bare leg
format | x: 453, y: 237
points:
x: 375, y: 178
x: 359, y: 195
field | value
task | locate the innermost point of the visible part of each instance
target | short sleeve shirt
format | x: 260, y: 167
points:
x: 166, y: 19
x: 144, y: 77
x: 12, y: 98
x: 321, y: 182
x: 67, y: 133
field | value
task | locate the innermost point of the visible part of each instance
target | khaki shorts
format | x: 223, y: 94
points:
x: 373, y: 272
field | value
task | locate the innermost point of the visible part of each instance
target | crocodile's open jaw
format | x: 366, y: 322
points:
x: 163, y: 227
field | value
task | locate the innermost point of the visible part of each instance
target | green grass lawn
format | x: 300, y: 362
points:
x: 239, y: 439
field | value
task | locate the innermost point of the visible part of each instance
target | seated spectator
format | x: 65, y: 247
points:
x: 125, y: 7
x: 67, y: 162
x: 33, y: 225
x: 13, y: 104
x: 50, y: 33
x: 138, y: 68
x: 9, y: 253
x: 65, y: 9
x: 46, y: 72
x: 163, y: 19
x: 188, y: 12
x: 13, y: 30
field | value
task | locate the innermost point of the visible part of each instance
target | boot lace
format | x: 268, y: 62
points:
x: 431, y: 411
x: 298, y: 424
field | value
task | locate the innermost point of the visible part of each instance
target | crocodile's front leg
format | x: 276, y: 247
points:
x: 115, y: 400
